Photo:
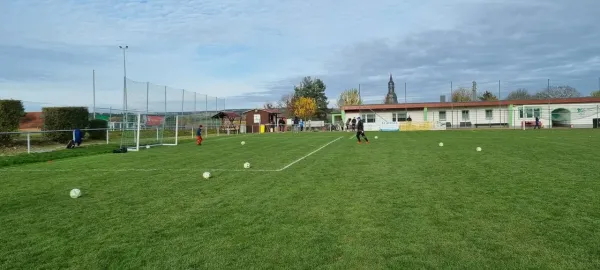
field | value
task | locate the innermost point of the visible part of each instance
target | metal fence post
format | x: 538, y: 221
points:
x: 107, y: 135
x: 28, y: 143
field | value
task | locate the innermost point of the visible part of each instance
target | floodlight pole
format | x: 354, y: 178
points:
x: 499, y: 104
x: 405, y: 108
x: 124, y: 49
x: 452, y: 106
x: 94, y: 91
x: 549, y: 111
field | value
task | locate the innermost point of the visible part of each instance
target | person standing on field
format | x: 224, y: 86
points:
x: 199, y: 135
x: 360, y: 127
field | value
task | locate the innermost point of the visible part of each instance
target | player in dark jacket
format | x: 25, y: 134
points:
x: 360, y: 130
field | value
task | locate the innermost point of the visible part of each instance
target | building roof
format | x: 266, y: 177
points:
x: 275, y: 111
x: 223, y: 114
x: 471, y: 104
x: 31, y: 120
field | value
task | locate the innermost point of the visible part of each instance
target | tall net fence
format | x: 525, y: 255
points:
x: 145, y: 97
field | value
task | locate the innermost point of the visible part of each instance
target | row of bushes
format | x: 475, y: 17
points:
x: 55, y: 118
x: 11, y: 112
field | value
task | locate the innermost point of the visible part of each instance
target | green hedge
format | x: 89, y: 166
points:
x: 11, y: 112
x: 64, y: 118
x: 98, y: 134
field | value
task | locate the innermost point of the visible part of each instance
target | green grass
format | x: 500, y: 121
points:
x: 530, y: 199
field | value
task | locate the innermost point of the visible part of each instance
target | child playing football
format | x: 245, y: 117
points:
x: 199, y: 135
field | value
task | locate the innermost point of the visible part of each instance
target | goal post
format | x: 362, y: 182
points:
x: 149, y: 130
x: 528, y: 113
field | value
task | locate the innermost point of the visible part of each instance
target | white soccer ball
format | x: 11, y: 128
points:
x: 75, y: 193
x: 243, y: 142
x: 376, y: 137
x: 441, y: 144
x: 478, y: 149
x: 247, y: 165
x: 147, y: 146
x: 206, y: 175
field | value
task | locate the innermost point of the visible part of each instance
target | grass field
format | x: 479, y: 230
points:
x: 530, y: 199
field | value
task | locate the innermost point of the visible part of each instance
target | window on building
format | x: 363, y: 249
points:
x: 465, y: 115
x: 489, y: 115
x: 520, y: 113
x: 368, y: 117
x: 530, y: 112
x: 442, y: 115
x: 399, y: 117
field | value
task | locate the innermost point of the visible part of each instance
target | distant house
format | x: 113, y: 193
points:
x: 31, y: 121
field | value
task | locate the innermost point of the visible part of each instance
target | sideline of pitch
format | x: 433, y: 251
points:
x: 178, y: 170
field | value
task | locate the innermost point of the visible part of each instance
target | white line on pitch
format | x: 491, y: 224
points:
x: 174, y: 170
x: 308, y: 155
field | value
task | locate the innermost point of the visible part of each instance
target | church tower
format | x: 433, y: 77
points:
x: 391, y: 97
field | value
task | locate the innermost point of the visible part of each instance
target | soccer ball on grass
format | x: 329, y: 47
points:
x: 478, y: 149
x: 247, y: 165
x: 243, y: 142
x: 376, y: 137
x: 206, y: 175
x: 441, y: 144
x: 75, y: 193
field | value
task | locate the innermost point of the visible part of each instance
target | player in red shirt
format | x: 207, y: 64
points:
x: 199, y: 135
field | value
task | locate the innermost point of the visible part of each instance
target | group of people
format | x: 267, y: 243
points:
x: 358, y: 125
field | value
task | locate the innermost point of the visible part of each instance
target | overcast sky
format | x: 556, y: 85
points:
x: 253, y: 51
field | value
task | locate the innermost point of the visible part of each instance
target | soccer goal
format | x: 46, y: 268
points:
x: 528, y: 113
x: 148, y: 130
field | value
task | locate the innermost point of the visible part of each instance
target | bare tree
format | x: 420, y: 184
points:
x: 488, y: 96
x: 349, y: 97
x: 269, y: 105
x: 462, y: 94
x: 286, y: 103
x: 519, y: 94
x: 564, y: 91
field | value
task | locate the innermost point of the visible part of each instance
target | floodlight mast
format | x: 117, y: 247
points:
x: 124, y: 49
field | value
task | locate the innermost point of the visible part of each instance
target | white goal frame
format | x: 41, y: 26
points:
x: 533, y: 107
x: 138, y: 131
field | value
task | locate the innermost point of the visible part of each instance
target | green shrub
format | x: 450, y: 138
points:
x: 98, y: 134
x: 64, y: 118
x: 11, y: 112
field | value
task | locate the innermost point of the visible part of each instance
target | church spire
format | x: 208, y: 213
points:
x: 391, y: 97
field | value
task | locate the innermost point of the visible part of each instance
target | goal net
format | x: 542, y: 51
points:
x: 576, y: 116
x: 147, y: 130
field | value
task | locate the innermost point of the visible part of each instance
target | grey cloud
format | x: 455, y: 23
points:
x: 23, y: 63
x: 521, y: 45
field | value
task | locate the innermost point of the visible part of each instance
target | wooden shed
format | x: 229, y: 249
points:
x: 257, y: 117
x: 228, y: 121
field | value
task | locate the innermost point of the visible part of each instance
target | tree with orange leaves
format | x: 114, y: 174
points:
x: 305, y: 107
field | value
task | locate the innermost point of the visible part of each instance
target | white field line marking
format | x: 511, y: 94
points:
x: 175, y: 170
x: 308, y: 155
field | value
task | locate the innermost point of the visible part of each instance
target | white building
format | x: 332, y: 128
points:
x: 567, y: 112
